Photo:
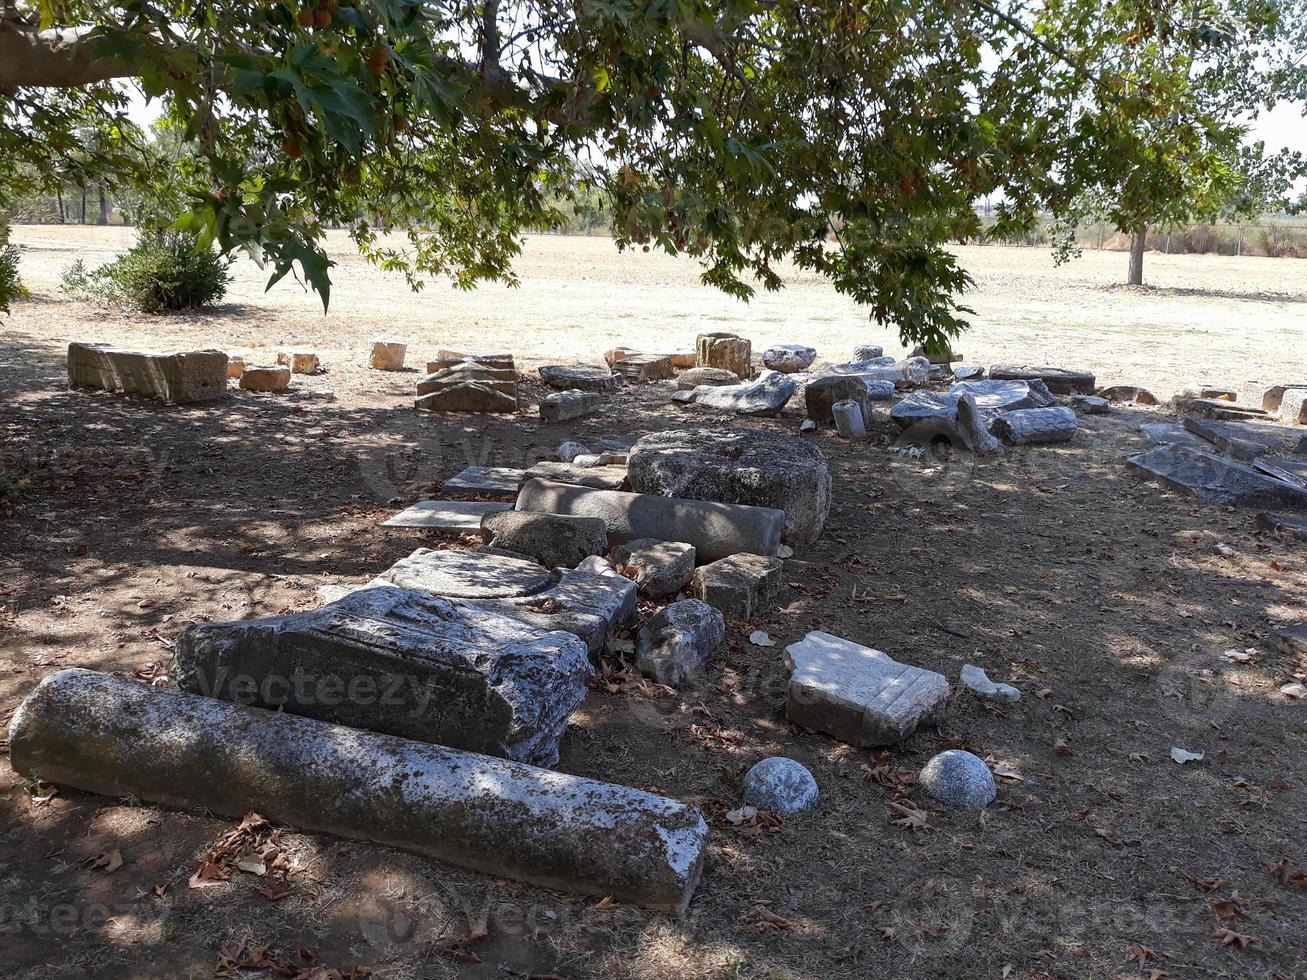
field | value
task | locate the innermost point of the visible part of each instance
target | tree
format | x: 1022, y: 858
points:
x: 743, y: 132
x: 1208, y: 69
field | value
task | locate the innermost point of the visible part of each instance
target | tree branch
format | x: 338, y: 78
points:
x: 62, y: 57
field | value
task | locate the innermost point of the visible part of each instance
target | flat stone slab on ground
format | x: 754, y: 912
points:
x: 1219, y: 408
x: 856, y: 694
x: 738, y: 585
x: 1239, y: 439
x: 1036, y: 426
x: 449, y: 515
x: 763, y: 397
x: 92, y: 731
x: 1214, y: 478
x: 1285, y: 525
x: 1292, y: 640
x: 176, y: 377
x: 1060, y: 381
x: 1129, y: 393
x: 738, y: 466
x: 582, y: 377
x: 456, y: 574
x: 499, y: 481
x: 695, y: 377
x: 999, y: 396
x: 434, y: 671
x: 1170, y: 434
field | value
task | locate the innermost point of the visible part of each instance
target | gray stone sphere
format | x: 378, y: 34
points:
x: 959, y: 779
x: 780, y: 785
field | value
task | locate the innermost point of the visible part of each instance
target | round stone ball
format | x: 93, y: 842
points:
x: 959, y: 779
x: 779, y: 785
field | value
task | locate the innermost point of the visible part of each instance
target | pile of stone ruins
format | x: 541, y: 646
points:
x: 424, y: 708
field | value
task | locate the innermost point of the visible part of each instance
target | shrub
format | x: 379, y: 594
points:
x: 163, y: 271
x: 11, y: 286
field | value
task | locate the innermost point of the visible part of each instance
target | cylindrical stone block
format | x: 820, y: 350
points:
x: 848, y: 419
x: 716, y: 530
x: 120, y: 738
x: 387, y: 355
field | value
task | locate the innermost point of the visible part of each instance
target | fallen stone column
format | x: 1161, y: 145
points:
x: 119, y: 738
x: 1030, y: 426
x: 716, y: 530
x: 848, y: 419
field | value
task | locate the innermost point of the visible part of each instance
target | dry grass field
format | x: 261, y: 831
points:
x: 124, y: 521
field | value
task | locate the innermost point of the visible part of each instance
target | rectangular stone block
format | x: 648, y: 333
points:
x: 401, y: 662
x: 176, y: 377
x: 856, y: 694
x: 1214, y: 478
x: 448, y: 515
x: 499, y: 481
x: 570, y: 404
x: 739, y: 585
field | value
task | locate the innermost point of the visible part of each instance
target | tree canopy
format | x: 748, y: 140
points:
x: 741, y: 132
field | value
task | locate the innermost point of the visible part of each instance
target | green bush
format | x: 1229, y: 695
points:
x: 163, y: 271
x: 11, y: 286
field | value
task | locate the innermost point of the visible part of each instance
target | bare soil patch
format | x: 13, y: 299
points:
x: 1053, y: 569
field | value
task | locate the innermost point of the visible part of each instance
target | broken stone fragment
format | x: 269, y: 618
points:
x: 265, y: 378
x: 448, y: 515
x: 867, y: 352
x: 715, y: 529
x: 599, y: 477
x: 175, y: 377
x: 1168, y: 433
x: 570, y: 404
x: 490, y: 481
x: 1091, y: 404
x: 91, y: 731
x: 789, y: 358
x: 1273, y: 397
x: 726, y: 351
x: 1293, y: 407
x: 821, y: 394
x: 978, y: 683
x: 739, y: 585
x: 551, y: 539
x: 1284, y: 525
x: 1219, y: 408
x: 737, y: 466
x: 1036, y: 426
x: 849, y: 419
x: 582, y: 377
x: 1129, y: 393
x: 568, y: 451
x: 662, y: 568
x: 779, y: 785
x: 299, y: 361
x: 856, y: 694
x: 968, y: 372
x: 763, y: 397
x: 235, y: 367
x: 1215, y: 478
x: 958, y: 778
x: 1003, y: 396
x: 1060, y: 381
x: 705, y: 376
x: 678, y: 640
x: 973, y: 426
x: 401, y: 662
x: 467, y: 396
x: 644, y: 368
x: 1242, y: 440
x: 387, y: 355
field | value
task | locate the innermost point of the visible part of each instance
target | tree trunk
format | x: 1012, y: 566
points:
x: 1138, y: 240
x: 59, y: 196
x: 83, y: 221
x: 104, y: 206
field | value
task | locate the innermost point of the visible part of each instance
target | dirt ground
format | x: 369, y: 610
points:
x: 1053, y: 569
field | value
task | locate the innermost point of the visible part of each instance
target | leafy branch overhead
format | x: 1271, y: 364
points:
x: 743, y: 132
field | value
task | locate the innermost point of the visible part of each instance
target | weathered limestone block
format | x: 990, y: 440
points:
x: 968, y: 372
x: 973, y: 425
x: 737, y: 466
x: 1003, y: 396
x: 867, y: 352
x: 944, y: 356
x: 299, y: 361
x: 1032, y: 426
x: 644, y: 368
x: 581, y: 377
x: 551, y: 539
x: 726, y: 351
x: 174, y: 377
x: 446, y: 359
x: 503, y: 380
x: 856, y: 694
x: 1129, y: 393
x: 570, y: 404
x: 1214, y: 478
x: 447, y: 515
x: 1060, y: 381
x: 92, y: 731
x: 1283, y: 525
x: 678, y: 640
x: 467, y: 396
x: 789, y: 358
x: 1092, y: 404
x: 849, y: 419
x: 1293, y: 406
x: 763, y: 397
x: 698, y: 377
x: 715, y: 529
x: 928, y: 412
x: 1239, y: 439
x: 600, y: 477
x: 401, y: 662
x: 661, y: 568
x: 1273, y: 397
x: 614, y: 355
x: 235, y: 367
x: 387, y: 355
x: 902, y: 374
x: 1219, y: 408
x: 265, y: 378
x: 739, y: 585
x: 821, y: 394
x: 454, y: 574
